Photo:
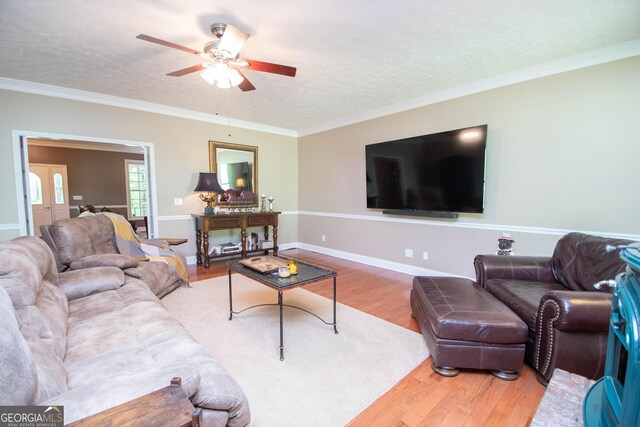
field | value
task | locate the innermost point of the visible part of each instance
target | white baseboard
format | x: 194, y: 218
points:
x: 375, y: 262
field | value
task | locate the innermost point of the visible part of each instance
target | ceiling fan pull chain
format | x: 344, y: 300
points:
x: 229, y: 112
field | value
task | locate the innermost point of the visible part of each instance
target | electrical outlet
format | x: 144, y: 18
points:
x: 408, y: 253
x: 425, y: 255
x: 324, y: 238
x: 177, y: 201
x: 77, y: 197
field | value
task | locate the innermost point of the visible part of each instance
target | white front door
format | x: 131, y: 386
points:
x: 49, y: 193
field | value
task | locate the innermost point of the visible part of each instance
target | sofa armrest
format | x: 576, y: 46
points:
x: 512, y: 267
x: 104, y: 260
x: 571, y: 333
x: 573, y: 311
x: 81, y: 283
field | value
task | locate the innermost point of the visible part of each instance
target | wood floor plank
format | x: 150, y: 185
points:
x: 422, y: 398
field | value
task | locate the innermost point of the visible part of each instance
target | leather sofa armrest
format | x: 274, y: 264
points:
x: 81, y: 283
x: 532, y: 268
x: 573, y: 311
x: 571, y: 333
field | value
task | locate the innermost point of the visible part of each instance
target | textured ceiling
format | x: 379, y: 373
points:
x: 352, y: 56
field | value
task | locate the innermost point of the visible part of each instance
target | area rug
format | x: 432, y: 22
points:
x: 326, y: 379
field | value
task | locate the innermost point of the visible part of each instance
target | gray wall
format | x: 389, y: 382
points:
x: 181, y: 151
x: 562, y: 154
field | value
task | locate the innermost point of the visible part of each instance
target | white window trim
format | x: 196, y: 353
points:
x: 127, y: 162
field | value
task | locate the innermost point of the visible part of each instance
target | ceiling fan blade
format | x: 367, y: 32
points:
x: 166, y: 43
x: 187, y: 70
x: 232, y: 40
x: 246, y: 85
x: 271, y: 68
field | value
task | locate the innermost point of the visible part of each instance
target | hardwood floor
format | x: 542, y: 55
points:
x: 422, y: 398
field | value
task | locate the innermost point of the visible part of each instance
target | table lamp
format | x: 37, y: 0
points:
x: 208, y: 182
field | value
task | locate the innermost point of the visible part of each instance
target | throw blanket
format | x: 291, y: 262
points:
x: 129, y: 243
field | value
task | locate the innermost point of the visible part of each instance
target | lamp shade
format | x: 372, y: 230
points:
x: 208, y: 182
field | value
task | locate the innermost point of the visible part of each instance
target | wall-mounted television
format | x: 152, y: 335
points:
x: 428, y: 174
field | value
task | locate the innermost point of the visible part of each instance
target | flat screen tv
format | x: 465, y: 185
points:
x: 436, y: 173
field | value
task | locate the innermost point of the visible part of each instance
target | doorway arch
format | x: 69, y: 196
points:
x: 21, y: 163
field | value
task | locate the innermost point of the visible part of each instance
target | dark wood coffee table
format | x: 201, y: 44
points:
x: 307, y: 273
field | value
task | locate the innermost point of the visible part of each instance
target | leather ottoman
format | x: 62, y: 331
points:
x: 466, y: 327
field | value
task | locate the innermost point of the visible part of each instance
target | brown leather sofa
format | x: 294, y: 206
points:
x: 567, y: 318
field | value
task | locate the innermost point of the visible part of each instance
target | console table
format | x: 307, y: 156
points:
x: 232, y: 221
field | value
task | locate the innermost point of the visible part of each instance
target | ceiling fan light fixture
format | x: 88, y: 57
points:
x: 209, y: 75
x: 221, y: 57
x: 223, y: 83
x: 234, y: 77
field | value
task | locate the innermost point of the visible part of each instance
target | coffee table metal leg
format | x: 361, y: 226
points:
x: 281, y: 341
x: 335, y: 324
x: 230, y: 298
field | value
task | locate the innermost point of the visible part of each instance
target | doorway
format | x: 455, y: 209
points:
x: 49, y: 194
x: 31, y: 215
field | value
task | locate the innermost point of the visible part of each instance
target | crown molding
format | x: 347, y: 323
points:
x: 596, y: 57
x: 132, y: 104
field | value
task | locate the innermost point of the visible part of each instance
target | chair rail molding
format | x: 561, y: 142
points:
x: 9, y: 226
x: 471, y: 225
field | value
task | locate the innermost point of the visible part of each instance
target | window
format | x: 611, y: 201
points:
x: 58, y: 188
x: 35, y: 189
x: 136, y: 188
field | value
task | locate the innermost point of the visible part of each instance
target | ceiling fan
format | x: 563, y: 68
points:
x: 223, y: 63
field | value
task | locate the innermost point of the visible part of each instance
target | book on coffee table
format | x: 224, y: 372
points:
x: 263, y: 264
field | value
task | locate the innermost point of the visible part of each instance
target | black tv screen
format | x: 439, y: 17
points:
x: 440, y: 172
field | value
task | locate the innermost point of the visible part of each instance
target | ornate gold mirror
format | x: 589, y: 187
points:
x: 236, y: 166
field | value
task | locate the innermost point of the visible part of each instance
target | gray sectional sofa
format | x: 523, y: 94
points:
x: 94, y: 338
x: 90, y: 241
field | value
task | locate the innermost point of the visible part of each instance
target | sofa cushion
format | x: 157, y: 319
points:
x: 53, y: 306
x: 522, y: 296
x: 103, y: 335
x: 81, y: 283
x: 158, y: 275
x: 20, y: 273
x: 18, y: 374
x: 580, y: 260
x: 77, y: 238
x: 104, y: 260
x: 127, y: 331
x: 39, y: 253
x: 52, y: 375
